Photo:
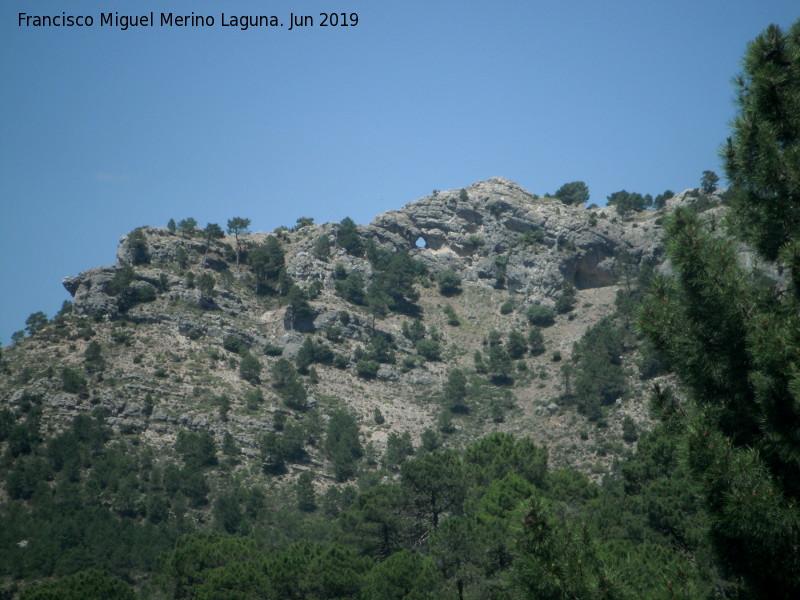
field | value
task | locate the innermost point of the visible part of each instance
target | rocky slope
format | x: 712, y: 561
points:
x: 165, y: 365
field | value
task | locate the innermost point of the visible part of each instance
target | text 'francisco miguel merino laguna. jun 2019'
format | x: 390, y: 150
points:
x: 125, y: 22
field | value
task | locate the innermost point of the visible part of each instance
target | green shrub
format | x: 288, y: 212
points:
x: 72, y: 381
x: 340, y: 361
x: 273, y: 350
x: 233, y: 343
x: 541, y: 316
x: 452, y: 317
x: 449, y: 283
x: 475, y: 241
x: 429, y: 349
x: 366, y: 368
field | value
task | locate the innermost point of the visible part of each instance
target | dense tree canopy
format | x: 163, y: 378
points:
x: 732, y: 337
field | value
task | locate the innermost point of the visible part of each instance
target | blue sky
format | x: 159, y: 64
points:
x: 105, y: 130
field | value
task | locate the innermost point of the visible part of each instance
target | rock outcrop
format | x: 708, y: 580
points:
x: 497, y: 233
x: 493, y: 233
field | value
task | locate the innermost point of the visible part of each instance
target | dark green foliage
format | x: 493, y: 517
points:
x: 571, y: 487
x: 287, y: 384
x: 339, y: 271
x: 761, y: 155
x: 456, y: 548
x: 93, y: 358
x: 436, y: 484
x: 121, y: 281
x: 143, y: 293
x: 233, y: 343
x: 348, y: 237
x: 266, y: 262
x: 449, y: 283
x: 322, y: 248
x: 182, y: 258
x: 499, y: 365
x: 732, y: 339
x: 536, y: 342
x: 187, y: 226
x: 380, y: 349
x: 452, y: 317
x: 415, y: 331
x: 254, y: 398
x: 517, y: 346
x: 378, y: 523
x: 404, y: 575
x: 273, y: 350
x: 128, y: 292
x: 480, y: 365
x: 72, y: 381
x: 198, y: 450
x: 541, y: 316
x: 340, y: 361
x: 573, y: 193
x: 429, y: 349
x: 729, y: 343
x: 314, y: 290
x: 627, y: 202
x: 211, y: 232
x: 137, y: 247
x: 497, y: 208
x: 90, y: 584
x: 629, y: 433
x: 171, y: 226
x: 599, y: 376
x: 250, y: 368
x: 303, y: 222
x: 475, y: 242
x: 305, y: 356
x: 661, y: 200
x: 566, y: 299
x: 366, y: 368
x: 206, y: 283
x: 203, y: 562
x: 398, y: 449
x: 557, y: 561
x: 709, y: 181
x: 306, y: 497
x: 392, y: 286
x: 297, y: 301
x: 351, y: 288
x: 238, y: 226
x: 498, y: 454
x: 341, y: 444
x: 455, y: 391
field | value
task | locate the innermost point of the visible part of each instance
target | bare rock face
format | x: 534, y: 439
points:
x: 497, y: 233
x: 162, y: 247
x: 90, y: 291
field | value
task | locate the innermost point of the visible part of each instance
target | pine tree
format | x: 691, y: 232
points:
x: 575, y: 192
x: 455, y: 391
x: 211, y: 232
x: 238, y: 226
x: 733, y: 340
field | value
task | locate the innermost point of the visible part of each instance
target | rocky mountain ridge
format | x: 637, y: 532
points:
x: 167, y: 364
